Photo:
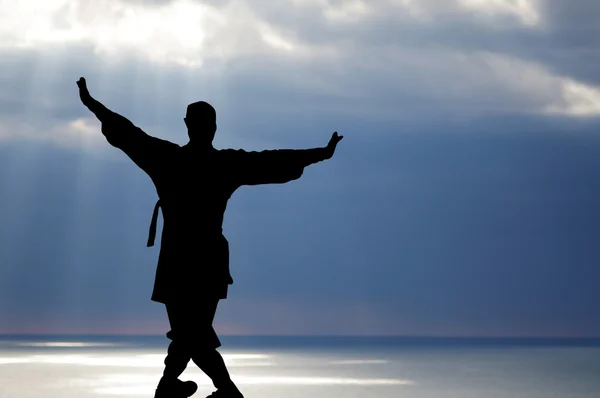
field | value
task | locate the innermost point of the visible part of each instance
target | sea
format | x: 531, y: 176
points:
x: 308, y: 366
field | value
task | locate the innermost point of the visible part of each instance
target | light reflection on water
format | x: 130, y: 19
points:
x: 134, y: 360
x: 132, y: 384
x: 66, y: 344
x: 359, y: 362
x: 93, y: 370
x: 79, y: 369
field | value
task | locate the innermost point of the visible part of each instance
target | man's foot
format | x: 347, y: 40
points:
x: 226, y: 393
x: 175, y: 389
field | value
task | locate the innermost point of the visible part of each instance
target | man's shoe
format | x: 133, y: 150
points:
x: 175, y: 389
x: 186, y: 388
x: 226, y: 393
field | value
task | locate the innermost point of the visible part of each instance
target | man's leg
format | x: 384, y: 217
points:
x: 211, y: 362
x: 177, y: 359
x: 206, y: 356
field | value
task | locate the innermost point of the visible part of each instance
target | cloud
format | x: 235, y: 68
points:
x: 77, y: 134
x: 182, y: 32
x: 265, y: 64
x: 169, y: 31
x: 527, y: 11
x: 577, y: 100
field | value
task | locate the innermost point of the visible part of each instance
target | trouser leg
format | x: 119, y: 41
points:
x: 177, y: 359
x: 212, y: 364
x: 195, y: 338
x: 179, y: 352
x: 178, y: 356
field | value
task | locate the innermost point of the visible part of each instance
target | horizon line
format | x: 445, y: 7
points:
x: 515, y: 337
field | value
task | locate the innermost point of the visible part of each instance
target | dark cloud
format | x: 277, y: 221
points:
x: 566, y: 41
x: 388, y: 65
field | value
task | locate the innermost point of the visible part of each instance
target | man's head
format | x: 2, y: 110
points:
x: 201, y: 121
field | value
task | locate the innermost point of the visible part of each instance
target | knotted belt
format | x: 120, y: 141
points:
x: 152, y: 232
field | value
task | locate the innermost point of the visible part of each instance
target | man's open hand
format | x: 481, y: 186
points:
x: 335, y: 138
x: 84, y: 94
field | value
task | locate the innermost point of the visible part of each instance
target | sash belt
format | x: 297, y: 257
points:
x: 152, y: 233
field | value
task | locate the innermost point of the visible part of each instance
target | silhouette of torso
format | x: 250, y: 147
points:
x: 194, y: 186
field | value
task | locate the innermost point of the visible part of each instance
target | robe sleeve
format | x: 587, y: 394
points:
x: 274, y: 166
x: 143, y: 149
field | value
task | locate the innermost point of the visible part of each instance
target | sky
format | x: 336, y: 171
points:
x: 461, y: 202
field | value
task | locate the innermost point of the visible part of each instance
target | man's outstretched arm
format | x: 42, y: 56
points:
x: 310, y: 156
x: 120, y: 132
x: 282, y: 165
x: 102, y: 113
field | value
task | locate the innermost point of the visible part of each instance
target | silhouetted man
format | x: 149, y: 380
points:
x: 194, y: 183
